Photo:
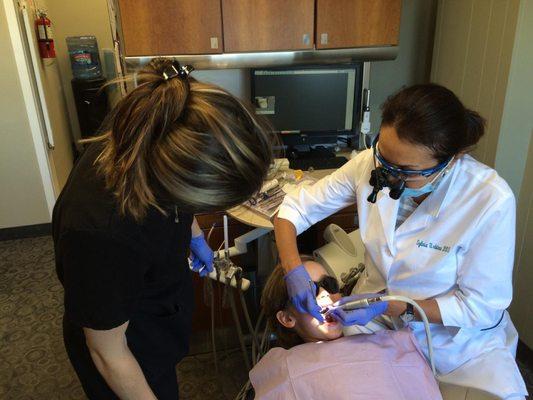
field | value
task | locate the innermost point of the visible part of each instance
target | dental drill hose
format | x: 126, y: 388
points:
x: 363, y: 303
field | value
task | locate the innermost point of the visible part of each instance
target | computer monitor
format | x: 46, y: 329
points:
x: 310, y: 104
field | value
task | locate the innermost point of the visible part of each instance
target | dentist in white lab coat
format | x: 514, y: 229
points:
x: 438, y: 227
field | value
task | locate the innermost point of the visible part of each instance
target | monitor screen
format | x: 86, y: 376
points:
x: 318, y: 100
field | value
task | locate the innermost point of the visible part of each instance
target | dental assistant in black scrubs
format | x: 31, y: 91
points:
x: 124, y: 225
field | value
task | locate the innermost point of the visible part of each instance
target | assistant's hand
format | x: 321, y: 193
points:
x: 302, y: 292
x: 201, y: 256
x: 360, y: 316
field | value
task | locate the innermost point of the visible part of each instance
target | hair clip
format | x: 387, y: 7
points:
x: 185, y: 71
x: 177, y: 70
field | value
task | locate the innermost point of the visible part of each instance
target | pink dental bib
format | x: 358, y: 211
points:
x: 384, y: 365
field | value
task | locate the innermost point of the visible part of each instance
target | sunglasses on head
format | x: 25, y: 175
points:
x: 328, y: 283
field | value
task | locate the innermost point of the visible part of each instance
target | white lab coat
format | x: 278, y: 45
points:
x: 456, y: 247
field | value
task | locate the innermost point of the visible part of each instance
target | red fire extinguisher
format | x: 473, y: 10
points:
x: 45, y: 37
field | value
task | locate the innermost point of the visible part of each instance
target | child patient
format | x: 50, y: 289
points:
x: 290, y: 326
x: 316, y: 362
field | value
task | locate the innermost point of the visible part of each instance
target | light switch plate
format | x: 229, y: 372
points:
x: 214, y: 42
x: 323, y: 38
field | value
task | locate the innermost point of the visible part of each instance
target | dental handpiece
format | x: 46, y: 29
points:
x: 354, y: 305
x: 361, y: 303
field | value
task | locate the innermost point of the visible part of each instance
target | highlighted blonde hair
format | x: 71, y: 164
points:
x: 182, y: 142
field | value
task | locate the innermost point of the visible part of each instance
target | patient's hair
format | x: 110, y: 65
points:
x: 182, y: 142
x: 276, y: 298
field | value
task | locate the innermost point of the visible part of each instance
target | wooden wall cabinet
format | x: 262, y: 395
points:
x: 268, y: 25
x: 166, y: 27
x: 172, y: 27
x: 357, y: 23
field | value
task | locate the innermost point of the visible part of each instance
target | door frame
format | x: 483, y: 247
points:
x: 26, y: 78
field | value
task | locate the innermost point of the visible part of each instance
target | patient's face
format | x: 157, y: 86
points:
x: 308, y: 327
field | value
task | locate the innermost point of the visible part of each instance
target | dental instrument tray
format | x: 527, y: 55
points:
x: 267, y: 202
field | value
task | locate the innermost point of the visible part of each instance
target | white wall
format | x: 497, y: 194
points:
x: 235, y: 81
x: 413, y: 64
x: 484, y: 52
x: 517, y: 118
x: 514, y: 161
x: 22, y: 198
x: 61, y: 157
x: 472, y: 56
x: 522, y: 306
x: 77, y: 18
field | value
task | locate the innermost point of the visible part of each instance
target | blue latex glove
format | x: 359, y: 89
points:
x: 201, y: 256
x: 361, y: 316
x: 302, y: 292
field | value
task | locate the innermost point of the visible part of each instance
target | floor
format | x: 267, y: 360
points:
x: 33, y: 362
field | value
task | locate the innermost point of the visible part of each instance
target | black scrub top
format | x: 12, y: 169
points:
x: 115, y: 270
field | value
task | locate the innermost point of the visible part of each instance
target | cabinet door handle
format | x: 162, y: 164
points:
x: 214, y: 42
x: 323, y: 38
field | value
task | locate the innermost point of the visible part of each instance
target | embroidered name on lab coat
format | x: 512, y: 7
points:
x: 434, y: 246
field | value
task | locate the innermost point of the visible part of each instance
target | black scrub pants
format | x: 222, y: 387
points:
x: 164, y: 386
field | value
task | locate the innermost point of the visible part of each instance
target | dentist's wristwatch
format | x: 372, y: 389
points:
x: 409, y: 314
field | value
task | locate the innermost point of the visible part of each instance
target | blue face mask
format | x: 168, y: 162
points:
x: 427, y: 188
x: 410, y: 192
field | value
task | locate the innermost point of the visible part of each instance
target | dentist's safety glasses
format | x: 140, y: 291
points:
x: 406, y: 175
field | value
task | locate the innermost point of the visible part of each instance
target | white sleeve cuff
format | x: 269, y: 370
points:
x: 292, y: 215
x: 450, y: 310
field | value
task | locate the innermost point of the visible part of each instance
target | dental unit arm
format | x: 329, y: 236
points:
x: 241, y: 243
x: 231, y: 275
x: 222, y: 257
x: 363, y: 303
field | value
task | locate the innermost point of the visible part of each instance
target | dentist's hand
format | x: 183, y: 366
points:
x: 201, y: 256
x: 360, y: 316
x: 302, y: 292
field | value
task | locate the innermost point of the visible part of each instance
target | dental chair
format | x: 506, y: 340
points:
x: 341, y: 257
